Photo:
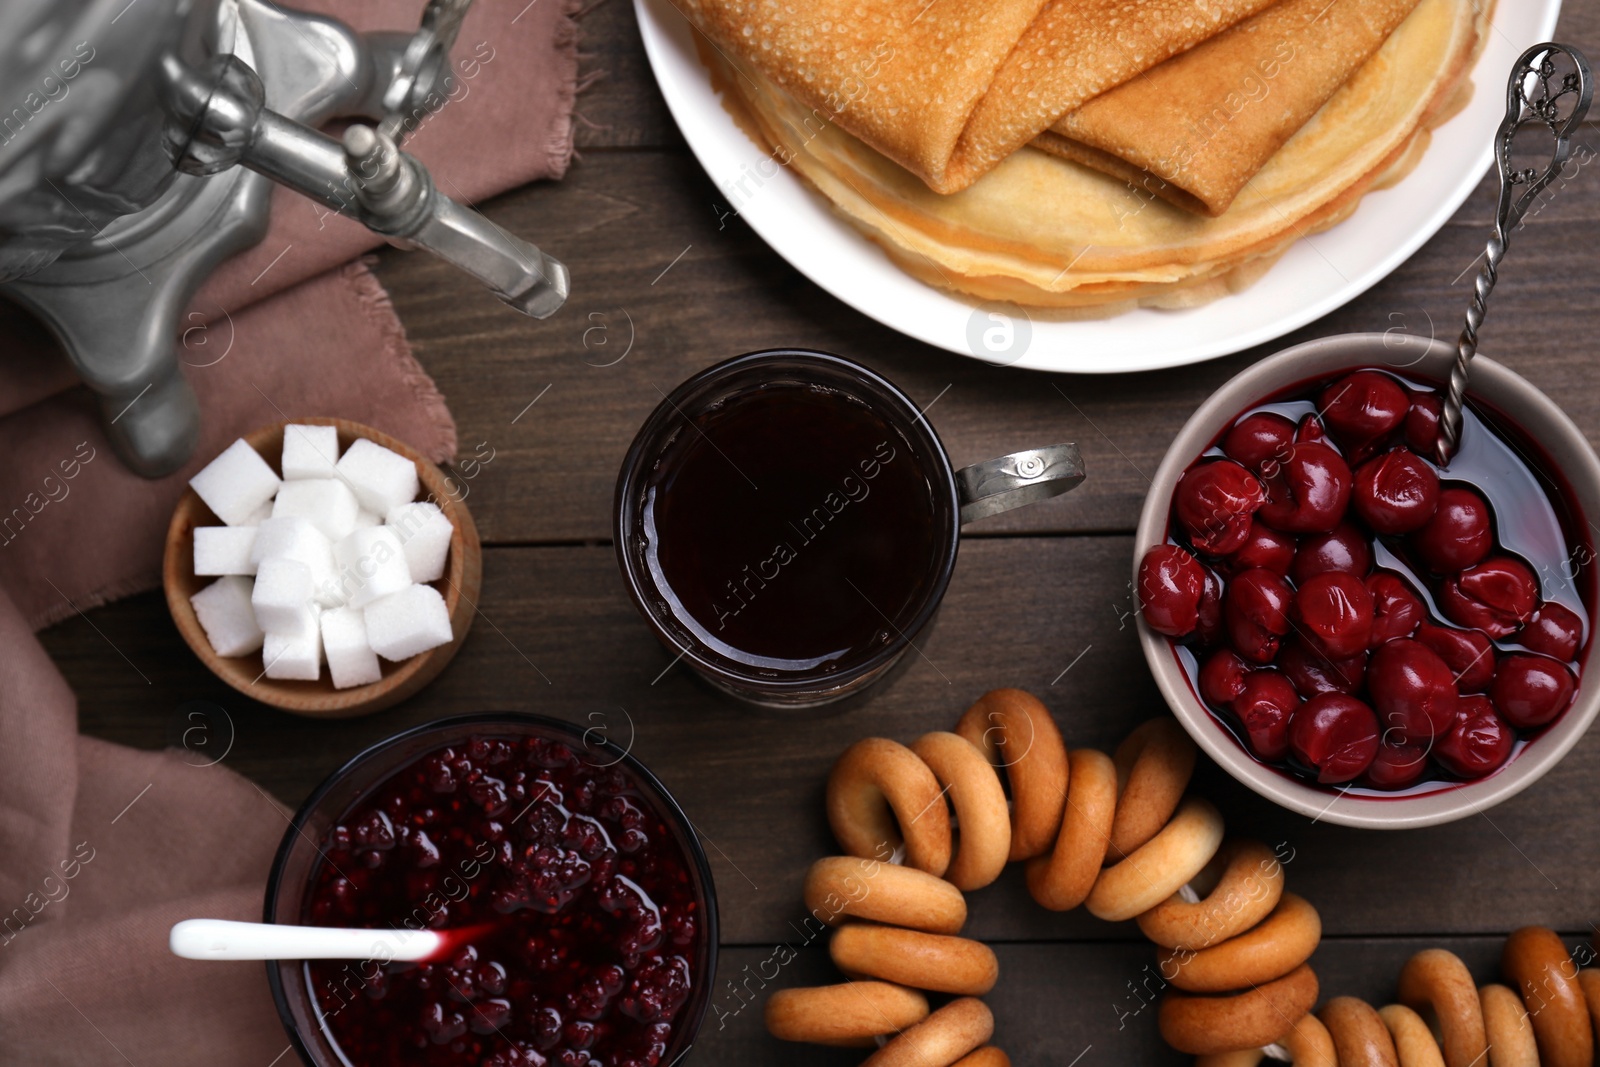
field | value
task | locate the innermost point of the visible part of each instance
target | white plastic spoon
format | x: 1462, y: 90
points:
x: 222, y: 939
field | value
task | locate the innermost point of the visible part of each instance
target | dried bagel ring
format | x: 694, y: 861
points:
x: 881, y: 795
x: 940, y: 1040
x: 843, y: 887
x: 1538, y: 965
x: 1271, y: 950
x: 1158, y: 868
x: 934, y: 962
x: 1249, y: 887
x: 1063, y: 879
x: 1014, y: 731
x: 1413, y: 1041
x: 1505, y: 1023
x: 983, y: 837
x: 1436, y: 982
x: 1307, y: 1044
x: 1359, y: 1036
x: 1154, y: 764
x: 851, y: 1013
x: 1205, y: 1025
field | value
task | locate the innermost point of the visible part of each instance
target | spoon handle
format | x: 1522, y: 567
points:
x: 1536, y: 94
x: 221, y: 939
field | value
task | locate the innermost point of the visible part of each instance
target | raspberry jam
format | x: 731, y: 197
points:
x: 582, y: 932
x: 1356, y: 615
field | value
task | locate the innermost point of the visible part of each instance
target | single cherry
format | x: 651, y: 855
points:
x: 1334, y: 611
x: 1222, y: 677
x: 1413, y: 690
x: 1459, y: 534
x: 1255, y: 610
x: 1171, y: 582
x: 1335, y: 735
x: 1361, y: 410
x: 1422, y: 423
x: 1344, y: 548
x: 1311, y: 431
x: 1396, y: 608
x: 1477, y: 742
x: 1530, y: 690
x: 1209, y: 627
x: 1468, y: 653
x: 1555, y: 630
x: 1260, y: 441
x: 1396, y: 492
x: 1214, y: 502
x: 1313, y: 673
x: 1265, y: 547
x: 1265, y: 705
x: 1310, y: 492
x: 1496, y: 596
x: 1398, y: 764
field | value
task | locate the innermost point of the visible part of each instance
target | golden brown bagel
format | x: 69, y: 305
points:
x: 843, y: 887
x: 851, y: 1013
x: 933, y: 962
x: 1062, y: 879
x: 1016, y: 733
x: 1537, y: 963
x: 940, y: 1040
x: 1206, y: 1025
x: 1158, y: 868
x: 1413, y: 1041
x: 1271, y: 950
x: 987, y: 1056
x: 983, y: 840
x: 881, y: 795
x: 1510, y: 1033
x: 1359, y: 1036
x: 1248, y: 888
x: 1435, y: 982
x: 1154, y: 764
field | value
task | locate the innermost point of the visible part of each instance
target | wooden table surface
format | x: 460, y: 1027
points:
x: 1040, y: 598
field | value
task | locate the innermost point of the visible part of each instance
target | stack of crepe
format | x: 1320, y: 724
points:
x: 1091, y: 154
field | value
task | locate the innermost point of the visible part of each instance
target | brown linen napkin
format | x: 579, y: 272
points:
x: 508, y: 122
x: 103, y: 848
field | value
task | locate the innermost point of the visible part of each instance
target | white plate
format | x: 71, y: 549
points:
x: 1313, y: 278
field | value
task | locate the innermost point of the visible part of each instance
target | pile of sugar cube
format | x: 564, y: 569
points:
x: 330, y: 562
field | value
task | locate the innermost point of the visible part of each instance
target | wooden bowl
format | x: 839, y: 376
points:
x: 460, y: 586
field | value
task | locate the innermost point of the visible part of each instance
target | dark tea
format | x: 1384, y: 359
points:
x: 793, y: 528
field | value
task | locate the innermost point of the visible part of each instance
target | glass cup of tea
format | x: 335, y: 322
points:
x: 787, y: 522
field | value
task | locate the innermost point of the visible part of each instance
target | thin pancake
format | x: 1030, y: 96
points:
x: 1199, y: 126
x: 1043, y: 231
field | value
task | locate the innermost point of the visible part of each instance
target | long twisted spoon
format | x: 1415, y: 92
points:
x: 1535, y: 95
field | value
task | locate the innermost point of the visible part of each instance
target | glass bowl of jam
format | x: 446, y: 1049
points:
x: 1351, y: 629
x: 583, y: 907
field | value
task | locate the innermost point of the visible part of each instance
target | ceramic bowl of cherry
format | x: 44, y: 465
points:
x: 1350, y: 629
x: 583, y: 907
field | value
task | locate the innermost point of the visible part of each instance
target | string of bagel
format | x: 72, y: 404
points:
x: 920, y: 825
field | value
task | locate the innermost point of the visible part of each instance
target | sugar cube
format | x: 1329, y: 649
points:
x: 372, y: 564
x: 293, y: 657
x: 413, y: 620
x: 282, y: 597
x: 382, y: 479
x: 425, y: 533
x: 223, y: 550
x: 259, y: 515
x: 292, y: 537
x: 365, y: 518
x: 225, y: 614
x: 351, y: 660
x: 327, y: 502
x: 309, y: 451
x: 236, y: 483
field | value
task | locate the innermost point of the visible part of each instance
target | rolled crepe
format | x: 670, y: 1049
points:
x: 1197, y: 128
x: 949, y: 88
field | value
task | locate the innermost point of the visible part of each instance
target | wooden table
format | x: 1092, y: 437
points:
x: 1040, y: 598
